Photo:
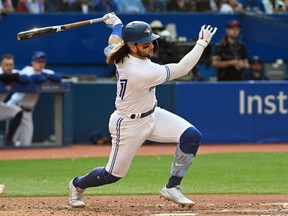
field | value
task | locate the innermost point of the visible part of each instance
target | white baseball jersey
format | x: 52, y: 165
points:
x: 133, y: 95
x: 27, y: 102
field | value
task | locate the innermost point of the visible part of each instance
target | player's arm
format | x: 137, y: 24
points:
x: 9, y: 78
x: 190, y: 59
x: 116, y: 35
x: 219, y: 64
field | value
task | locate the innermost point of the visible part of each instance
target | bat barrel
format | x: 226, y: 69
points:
x: 34, y: 33
x: 39, y: 32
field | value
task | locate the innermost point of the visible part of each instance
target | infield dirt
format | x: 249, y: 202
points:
x: 271, y: 204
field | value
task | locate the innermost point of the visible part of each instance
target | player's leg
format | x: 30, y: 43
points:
x: 26, y: 129
x: 127, y: 137
x: 8, y: 112
x: 172, y: 128
x: 12, y: 127
x: 14, y: 113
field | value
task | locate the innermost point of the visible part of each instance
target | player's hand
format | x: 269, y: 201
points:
x: 205, y: 35
x: 112, y: 20
x: 23, y: 79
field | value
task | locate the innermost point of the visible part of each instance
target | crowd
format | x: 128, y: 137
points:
x: 142, y: 6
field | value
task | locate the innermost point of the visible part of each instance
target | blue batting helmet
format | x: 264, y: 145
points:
x: 138, y: 32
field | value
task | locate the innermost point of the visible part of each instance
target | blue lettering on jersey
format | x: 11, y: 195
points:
x: 123, y: 84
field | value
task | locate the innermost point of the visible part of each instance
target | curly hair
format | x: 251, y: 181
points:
x: 118, y: 53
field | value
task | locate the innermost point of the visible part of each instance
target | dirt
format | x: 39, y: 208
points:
x: 222, y: 204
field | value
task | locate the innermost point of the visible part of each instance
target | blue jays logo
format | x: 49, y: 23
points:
x: 148, y: 31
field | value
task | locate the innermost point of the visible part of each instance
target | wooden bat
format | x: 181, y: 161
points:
x: 39, y: 32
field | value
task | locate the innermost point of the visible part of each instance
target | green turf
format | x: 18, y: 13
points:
x: 245, y: 173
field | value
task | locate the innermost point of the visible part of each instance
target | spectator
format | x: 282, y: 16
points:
x: 57, y: 6
x: 83, y: 6
x: 179, y: 6
x: 256, y: 70
x: 27, y: 101
x: 202, y: 5
x: 6, y: 7
x: 105, y: 5
x: 253, y: 6
x: 231, y: 7
x: 231, y: 56
x: 155, y: 5
x: 130, y: 6
x: 9, y: 75
x: 31, y: 6
x: 14, y: 3
x: 274, y: 6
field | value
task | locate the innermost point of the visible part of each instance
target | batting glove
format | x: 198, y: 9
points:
x: 112, y: 20
x: 205, y: 35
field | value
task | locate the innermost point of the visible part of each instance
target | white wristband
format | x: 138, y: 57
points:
x: 202, y: 43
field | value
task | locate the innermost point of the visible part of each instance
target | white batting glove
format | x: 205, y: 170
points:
x: 205, y: 35
x: 112, y: 20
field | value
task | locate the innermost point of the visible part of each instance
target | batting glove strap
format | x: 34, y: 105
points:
x: 202, y: 43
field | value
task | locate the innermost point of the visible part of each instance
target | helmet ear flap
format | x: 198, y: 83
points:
x: 156, y: 46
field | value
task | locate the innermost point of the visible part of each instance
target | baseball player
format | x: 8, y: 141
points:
x: 137, y: 117
x: 9, y: 75
x: 27, y: 101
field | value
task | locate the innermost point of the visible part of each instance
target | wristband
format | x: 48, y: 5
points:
x: 202, y: 43
x: 117, y: 30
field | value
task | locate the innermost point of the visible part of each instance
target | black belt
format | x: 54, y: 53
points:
x: 26, y: 109
x: 144, y: 114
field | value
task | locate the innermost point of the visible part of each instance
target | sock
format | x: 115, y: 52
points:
x: 97, y: 177
x: 173, y: 181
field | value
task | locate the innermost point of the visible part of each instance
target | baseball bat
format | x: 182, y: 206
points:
x: 39, y: 32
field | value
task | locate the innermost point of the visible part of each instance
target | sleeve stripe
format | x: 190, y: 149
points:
x: 168, y: 73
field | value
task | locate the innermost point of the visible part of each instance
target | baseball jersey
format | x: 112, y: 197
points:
x: 27, y: 100
x: 134, y: 96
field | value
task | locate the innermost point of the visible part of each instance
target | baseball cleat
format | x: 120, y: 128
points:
x: 75, y: 195
x: 175, y: 195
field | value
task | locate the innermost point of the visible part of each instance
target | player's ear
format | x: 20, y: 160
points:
x: 133, y: 48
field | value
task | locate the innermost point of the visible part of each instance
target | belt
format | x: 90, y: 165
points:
x: 26, y: 109
x: 142, y: 115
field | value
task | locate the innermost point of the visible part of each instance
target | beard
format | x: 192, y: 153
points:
x: 145, y: 55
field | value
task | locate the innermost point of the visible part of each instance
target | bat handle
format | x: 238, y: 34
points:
x: 99, y: 19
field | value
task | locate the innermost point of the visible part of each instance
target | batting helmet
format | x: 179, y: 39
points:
x: 138, y: 32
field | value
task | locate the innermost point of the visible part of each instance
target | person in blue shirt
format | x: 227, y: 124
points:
x: 253, y: 6
x: 130, y: 6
